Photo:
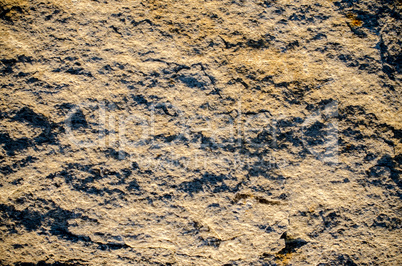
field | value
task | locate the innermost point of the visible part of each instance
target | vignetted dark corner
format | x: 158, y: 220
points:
x: 200, y: 132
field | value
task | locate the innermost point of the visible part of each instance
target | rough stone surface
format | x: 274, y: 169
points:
x: 200, y: 132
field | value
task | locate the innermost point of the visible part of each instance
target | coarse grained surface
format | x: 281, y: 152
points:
x: 200, y: 132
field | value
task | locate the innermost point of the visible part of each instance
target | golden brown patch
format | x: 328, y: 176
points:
x: 354, y: 21
x: 284, y: 259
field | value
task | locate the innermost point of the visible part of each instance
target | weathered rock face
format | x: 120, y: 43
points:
x: 200, y: 132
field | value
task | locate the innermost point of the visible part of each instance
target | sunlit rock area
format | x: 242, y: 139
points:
x: 200, y: 132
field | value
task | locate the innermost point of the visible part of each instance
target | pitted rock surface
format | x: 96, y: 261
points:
x: 200, y: 132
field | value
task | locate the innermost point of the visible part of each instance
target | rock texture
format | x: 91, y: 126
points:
x: 200, y: 132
